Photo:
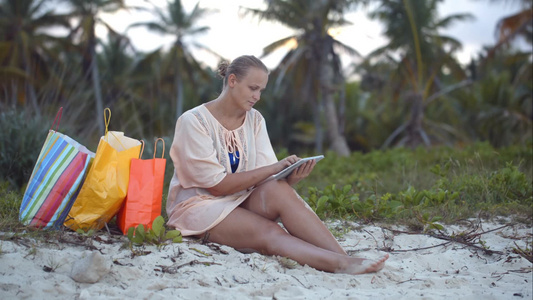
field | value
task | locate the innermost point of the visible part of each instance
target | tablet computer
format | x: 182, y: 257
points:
x: 288, y: 170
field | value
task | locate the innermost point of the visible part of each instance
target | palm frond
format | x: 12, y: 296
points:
x: 153, y: 26
x: 346, y: 49
x: 451, y: 19
x: 277, y: 44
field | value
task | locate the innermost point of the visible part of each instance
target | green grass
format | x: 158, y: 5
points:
x: 416, y: 186
x: 419, y: 188
x: 9, y: 208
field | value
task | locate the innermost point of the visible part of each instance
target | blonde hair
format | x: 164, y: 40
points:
x: 240, y: 67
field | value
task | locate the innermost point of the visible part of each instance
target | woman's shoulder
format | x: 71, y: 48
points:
x: 255, y: 117
x: 195, y: 115
x: 197, y: 110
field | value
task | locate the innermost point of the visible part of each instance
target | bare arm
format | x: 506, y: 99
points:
x: 236, y: 182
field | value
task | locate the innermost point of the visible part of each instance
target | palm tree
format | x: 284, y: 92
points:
x: 412, y: 28
x: 499, y: 107
x: 519, y: 24
x: 25, y: 55
x: 373, y: 113
x: 118, y: 83
x: 174, y: 21
x: 87, y: 13
x: 315, y: 59
x: 118, y: 64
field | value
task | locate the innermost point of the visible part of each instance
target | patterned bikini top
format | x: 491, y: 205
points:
x: 233, y: 145
x: 234, y: 161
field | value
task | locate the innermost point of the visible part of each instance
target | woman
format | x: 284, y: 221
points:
x: 221, y: 153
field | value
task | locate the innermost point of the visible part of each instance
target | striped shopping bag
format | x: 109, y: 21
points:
x: 55, y: 181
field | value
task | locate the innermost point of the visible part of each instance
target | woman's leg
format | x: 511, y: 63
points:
x: 245, y: 230
x: 277, y: 199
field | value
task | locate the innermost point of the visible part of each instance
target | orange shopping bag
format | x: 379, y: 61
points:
x: 145, y: 192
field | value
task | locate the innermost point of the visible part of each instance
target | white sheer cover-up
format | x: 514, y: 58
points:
x: 200, y: 155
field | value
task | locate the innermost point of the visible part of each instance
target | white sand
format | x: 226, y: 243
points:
x: 453, y: 271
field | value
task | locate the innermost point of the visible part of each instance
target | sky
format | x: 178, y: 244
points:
x: 232, y: 34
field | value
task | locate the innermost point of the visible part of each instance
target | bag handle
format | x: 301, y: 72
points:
x: 155, y: 147
x: 57, y: 119
x: 106, y: 121
x: 142, y: 149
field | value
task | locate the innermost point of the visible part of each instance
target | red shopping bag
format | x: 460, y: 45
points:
x: 145, y: 192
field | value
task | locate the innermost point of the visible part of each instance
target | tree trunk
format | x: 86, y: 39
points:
x: 14, y: 89
x: 310, y: 93
x: 179, y: 84
x: 337, y: 141
x: 95, y: 78
x: 319, y: 140
x: 342, y: 109
x: 97, y: 93
x: 415, y: 134
x: 179, y: 95
x: 30, y: 90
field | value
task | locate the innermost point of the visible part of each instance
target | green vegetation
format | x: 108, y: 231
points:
x: 88, y: 234
x: 21, y: 140
x: 411, y: 92
x: 419, y: 188
x: 474, y: 122
x: 10, y: 202
x: 157, y: 235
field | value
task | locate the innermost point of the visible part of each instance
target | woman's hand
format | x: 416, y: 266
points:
x: 301, y: 172
x: 235, y: 182
x: 282, y: 164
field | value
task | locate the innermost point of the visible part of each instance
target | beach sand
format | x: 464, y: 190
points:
x: 32, y: 269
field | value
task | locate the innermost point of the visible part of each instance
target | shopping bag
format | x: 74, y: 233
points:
x: 56, y: 180
x: 106, y: 184
x: 145, y: 192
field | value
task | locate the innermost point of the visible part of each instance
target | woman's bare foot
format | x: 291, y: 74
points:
x: 363, y: 265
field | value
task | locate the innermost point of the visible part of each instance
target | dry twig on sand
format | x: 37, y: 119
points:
x: 526, y: 253
x: 468, y: 238
x: 173, y: 269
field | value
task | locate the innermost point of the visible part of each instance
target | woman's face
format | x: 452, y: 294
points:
x: 247, y: 91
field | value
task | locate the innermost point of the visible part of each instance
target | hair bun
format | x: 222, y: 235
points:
x: 222, y: 68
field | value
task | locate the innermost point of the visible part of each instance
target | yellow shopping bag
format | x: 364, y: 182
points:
x: 106, y: 185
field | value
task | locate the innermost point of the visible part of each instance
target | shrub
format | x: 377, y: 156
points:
x: 10, y: 202
x: 422, y: 184
x: 21, y: 139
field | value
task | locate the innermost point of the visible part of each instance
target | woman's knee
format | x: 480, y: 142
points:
x: 274, y: 190
x: 286, y: 195
x: 272, y: 187
x: 271, y: 238
x: 265, y: 200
